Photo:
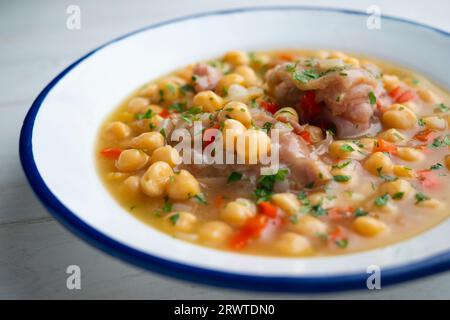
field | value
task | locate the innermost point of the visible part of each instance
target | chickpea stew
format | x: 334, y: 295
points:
x: 363, y: 153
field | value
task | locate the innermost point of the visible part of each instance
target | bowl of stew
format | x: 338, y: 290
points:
x: 253, y: 148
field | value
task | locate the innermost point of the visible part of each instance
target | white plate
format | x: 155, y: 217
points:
x: 59, y: 133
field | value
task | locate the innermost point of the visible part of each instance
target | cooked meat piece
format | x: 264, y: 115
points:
x: 282, y: 87
x: 206, y: 77
x: 343, y: 92
x: 295, y: 154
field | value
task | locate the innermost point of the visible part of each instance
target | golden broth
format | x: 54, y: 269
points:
x: 420, y: 202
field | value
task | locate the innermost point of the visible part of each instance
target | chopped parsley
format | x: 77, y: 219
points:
x: 171, y: 88
x: 301, y: 195
x: 341, y: 178
x: 293, y: 219
x: 174, y: 218
x: 398, y: 195
x: 187, y: 88
x: 436, y: 166
x: 372, y: 98
x: 421, y: 122
x: 177, y: 107
x: 167, y: 207
x: 381, y: 201
x: 360, y: 212
x: 201, y: 198
x: 346, y: 148
x: 234, y: 176
x: 303, y: 76
x: 147, y: 115
x: 443, y: 108
x: 163, y: 132
x: 265, y: 184
x: 342, y: 243
x: 385, y: 177
x: 318, y: 210
x: 267, y: 126
x: 341, y: 165
x: 420, y: 197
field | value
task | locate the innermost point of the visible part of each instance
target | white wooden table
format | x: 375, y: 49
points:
x: 35, y: 250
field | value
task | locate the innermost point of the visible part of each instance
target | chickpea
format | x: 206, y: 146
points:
x: 344, y: 150
x: 149, y: 141
x: 447, y: 161
x: 368, y: 144
x: 232, y: 129
x: 392, y: 135
x: 309, y: 226
x: 410, y: 154
x: 435, y: 123
x: 132, y: 183
x: 166, y: 154
x: 288, y: 202
x: 287, y: 113
x: 115, y: 176
x: 403, y: 171
x: 390, y: 82
x: 368, y: 226
x: 143, y: 125
x: 131, y: 160
x: 398, y: 189
x: 238, y: 211
x: 316, y: 198
x: 353, y: 62
x: 208, y: 101
x: 338, y: 55
x: 156, y: 178
x: 430, y: 204
x: 322, y: 54
x: 170, y: 89
x: 151, y: 91
x: 226, y: 81
x: 379, y: 164
x: 293, y: 244
x: 259, y: 60
x: 237, y: 111
x: 117, y: 130
x: 236, y: 58
x: 399, y: 117
x: 315, y: 133
x: 182, y: 221
x: 250, y: 77
x: 186, y: 73
x: 352, y: 198
x: 253, y: 146
x: 183, y: 186
x: 138, y: 104
x: 215, y: 232
x: 428, y: 96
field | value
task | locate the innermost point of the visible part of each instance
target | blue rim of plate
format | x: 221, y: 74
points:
x: 312, y: 284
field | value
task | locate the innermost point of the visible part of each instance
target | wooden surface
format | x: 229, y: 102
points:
x: 34, y: 249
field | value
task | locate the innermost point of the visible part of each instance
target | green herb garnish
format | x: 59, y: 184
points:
x: 201, y: 198
x: 420, y: 197
x: 341, y: 178
x: 174, y: 218
x: 372, y: 98
x: 234, y: 176
x: 381, y: 201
